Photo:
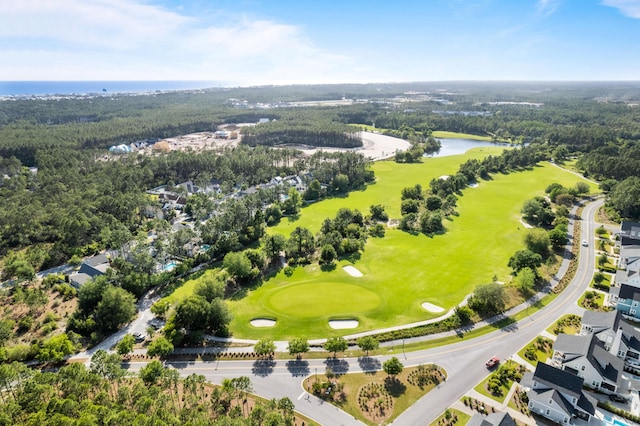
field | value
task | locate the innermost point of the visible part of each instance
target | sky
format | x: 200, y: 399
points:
x: 257, y: 42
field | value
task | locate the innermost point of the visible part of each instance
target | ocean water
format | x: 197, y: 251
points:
x: 25, y: 88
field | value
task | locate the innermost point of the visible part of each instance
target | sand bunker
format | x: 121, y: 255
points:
x: 525, y: 224
x: 262, y: 322
x: 432, y: 308
x: 343, y: 324
x: 352, y: 271
x: 473, y: 185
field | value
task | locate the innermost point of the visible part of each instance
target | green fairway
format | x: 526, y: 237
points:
x: 455, y: 135
x: 391, y: 177
x: 400, y: 271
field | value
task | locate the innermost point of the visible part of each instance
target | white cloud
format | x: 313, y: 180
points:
x: 630, y: 8
x: 547, y: 7
x: 129, y: 39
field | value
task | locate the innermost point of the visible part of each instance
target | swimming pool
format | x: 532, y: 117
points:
x: 615, y: 422
x: 169, y: 266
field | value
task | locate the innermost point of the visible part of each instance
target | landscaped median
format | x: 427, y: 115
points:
x: 374, y: 398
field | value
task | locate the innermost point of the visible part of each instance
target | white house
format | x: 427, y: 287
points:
x: 587, y: 357
x: 557, y: 395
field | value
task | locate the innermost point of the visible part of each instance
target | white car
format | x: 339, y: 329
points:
x: 585, y: 243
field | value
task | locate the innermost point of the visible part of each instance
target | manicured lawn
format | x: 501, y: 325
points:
x: 541, y: 347
x: 456, y: 417
x: 593, y: 301
x: 436, y: 134
x: 604, y: 285
x: 455, y: 135
x: 567, y: 324
x: 400, y: 271
x: 505, y: 387
x: 186, y: 288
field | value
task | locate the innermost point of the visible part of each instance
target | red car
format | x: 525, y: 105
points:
x: 492, y: 362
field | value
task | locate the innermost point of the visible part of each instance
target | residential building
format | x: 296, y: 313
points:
x: 586, y: 357
x: 618, y: 336
x: 626, y: 293
x: 91, y: 267
x: 558, y: 396
x: 494, y: 419
x: 630, y: 230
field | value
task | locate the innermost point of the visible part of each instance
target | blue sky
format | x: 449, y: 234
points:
x: 247, y: 42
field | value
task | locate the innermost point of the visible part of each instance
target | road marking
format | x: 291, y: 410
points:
x: 301, y: 395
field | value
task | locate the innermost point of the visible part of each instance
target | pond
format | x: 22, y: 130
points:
x: 452, y: 146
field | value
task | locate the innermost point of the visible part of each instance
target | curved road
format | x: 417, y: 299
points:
x: 464, y: 361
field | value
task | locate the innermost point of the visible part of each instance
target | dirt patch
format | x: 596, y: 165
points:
x: 197, y: 142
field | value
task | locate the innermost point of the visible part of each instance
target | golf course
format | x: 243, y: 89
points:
x: 399, y: 272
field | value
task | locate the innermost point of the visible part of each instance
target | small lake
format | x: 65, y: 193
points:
x: 452, y: 146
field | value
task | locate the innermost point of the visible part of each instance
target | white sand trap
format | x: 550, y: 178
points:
x: 353, y: 272
x: 343, y: 324
x: 525, y: 224
x: 262, y: 322
x: 444, y: 177
x: 473, y: 185
x: 432, y: 308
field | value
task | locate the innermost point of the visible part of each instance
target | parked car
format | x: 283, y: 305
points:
x: 618, y: 398
x: 492, y: 362
x: 138, y: 337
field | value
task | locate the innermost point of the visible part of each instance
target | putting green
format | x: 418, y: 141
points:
x: 319, y: 299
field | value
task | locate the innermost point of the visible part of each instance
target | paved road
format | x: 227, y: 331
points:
x: 463, y: 361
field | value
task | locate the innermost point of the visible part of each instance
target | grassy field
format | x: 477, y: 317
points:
x: 444, y: 135
x: 400, y: 271
x: 440, y: 134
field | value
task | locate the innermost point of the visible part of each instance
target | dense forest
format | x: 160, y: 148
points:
x: 75, y: 204
x: 108, y: 394
x: 74, y: 198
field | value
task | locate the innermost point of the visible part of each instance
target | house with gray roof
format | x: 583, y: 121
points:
x: 630, y: 230
x: 91, y: 267
x: 558, y: 396
x: 626, y: 293
x: 601, y: 324
x: 586, y: 357
x: 494, y: 419
x: 618, y: 336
